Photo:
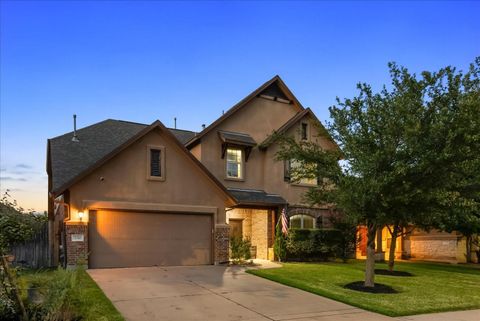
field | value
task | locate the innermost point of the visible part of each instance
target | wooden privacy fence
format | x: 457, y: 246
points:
x: 34, y: 253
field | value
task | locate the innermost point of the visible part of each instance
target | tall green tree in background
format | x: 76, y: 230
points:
x: 409, y: 154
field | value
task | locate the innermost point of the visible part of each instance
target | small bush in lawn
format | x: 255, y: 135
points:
x: 240, y: 249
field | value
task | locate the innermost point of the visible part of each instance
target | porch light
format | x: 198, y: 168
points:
x: 80, y: 215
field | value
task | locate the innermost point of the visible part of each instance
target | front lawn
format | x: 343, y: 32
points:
x: 81, y: 296
x: 433, y: 288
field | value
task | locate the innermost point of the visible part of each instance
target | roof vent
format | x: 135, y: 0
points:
x: 203, y: 126
x: 175, y: 122
x: 75, y: 138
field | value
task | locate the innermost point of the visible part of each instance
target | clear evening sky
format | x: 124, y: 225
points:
x: 142, y: 61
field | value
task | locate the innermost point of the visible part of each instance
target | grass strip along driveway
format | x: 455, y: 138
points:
x: 432, y: 288
x: 68, y: 295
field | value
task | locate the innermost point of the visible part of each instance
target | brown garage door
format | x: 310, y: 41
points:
x: 128, y: 239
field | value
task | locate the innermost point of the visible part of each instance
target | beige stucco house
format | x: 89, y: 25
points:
x: 125, y: 194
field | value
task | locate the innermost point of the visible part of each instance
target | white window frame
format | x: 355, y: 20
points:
x: 241, y: 164
x: 302, y: 216
x: 162, y: 163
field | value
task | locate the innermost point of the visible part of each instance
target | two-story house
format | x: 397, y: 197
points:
x: 124, y: 194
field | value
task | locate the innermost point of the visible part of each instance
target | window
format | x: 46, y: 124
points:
x: 234, y: 163
x: 304, y: 131
x: 302, y: 221
x: 156, y: 163
x: 155, y: 168
x: 296, y: 168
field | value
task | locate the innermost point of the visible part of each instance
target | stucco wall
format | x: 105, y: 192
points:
x: 259, y: 119
x: 124, y: 178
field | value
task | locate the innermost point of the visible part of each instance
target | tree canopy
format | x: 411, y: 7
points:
x: 410, y: 153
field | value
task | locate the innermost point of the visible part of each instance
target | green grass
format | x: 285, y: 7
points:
x: 433, y: 288
x: 90, y: 302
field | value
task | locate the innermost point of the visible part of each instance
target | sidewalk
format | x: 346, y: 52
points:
x: 469, y: 315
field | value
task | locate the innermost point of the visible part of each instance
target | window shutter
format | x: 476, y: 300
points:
x: 155, y: 168
x: 286, y: 171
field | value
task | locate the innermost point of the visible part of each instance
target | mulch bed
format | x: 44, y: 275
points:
x: 378, y: 288
x: 392, y: 273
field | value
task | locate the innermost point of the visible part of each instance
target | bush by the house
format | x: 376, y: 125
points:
x: 316, y: 245
x: 239, y: 249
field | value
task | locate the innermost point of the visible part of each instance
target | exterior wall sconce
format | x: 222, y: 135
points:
x: 80, y: 215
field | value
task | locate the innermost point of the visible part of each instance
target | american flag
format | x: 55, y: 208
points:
x: 284, y: 222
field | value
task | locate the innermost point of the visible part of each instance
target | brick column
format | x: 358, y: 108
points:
x: 77, y: 243
x: 222, y: 243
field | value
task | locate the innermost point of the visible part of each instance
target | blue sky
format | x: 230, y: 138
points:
x: 142, y: 61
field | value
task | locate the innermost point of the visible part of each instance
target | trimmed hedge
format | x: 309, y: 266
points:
x: 314, y: 245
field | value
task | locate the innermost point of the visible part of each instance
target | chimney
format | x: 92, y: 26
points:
x: 75, y: 138
x: 175, y: 122
x: 203, y: 126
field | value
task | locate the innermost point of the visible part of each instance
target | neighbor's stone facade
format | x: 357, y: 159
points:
x: 77, y: 251
x: 428, y: 248
x: 222, y: 243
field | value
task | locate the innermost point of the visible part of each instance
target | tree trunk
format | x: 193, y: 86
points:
x: 393, y: 247
x: 469, y: 249
x: 370, y: 262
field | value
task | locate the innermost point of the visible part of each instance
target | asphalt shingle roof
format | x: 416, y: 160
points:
x: 69, y: 159
x: 255, y: 197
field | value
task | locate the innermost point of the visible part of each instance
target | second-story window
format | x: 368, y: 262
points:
x: 234, y: 163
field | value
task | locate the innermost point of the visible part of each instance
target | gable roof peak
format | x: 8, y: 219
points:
x: 281, y: 87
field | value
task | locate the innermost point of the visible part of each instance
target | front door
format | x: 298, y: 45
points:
x: 236, y: 228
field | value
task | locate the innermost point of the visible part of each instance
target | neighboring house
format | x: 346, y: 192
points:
x: 124, y: 194
x: 418, y: 245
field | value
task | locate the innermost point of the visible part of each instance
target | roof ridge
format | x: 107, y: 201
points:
x: 183, y: 130
x: 129, y: 122
x: 79, y: 129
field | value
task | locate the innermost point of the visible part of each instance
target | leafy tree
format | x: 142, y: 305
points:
x: 410, y: 154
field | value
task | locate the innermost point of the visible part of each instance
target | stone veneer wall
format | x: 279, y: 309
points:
x: 77, y: 251
x: 422, y: 247
x: 256, y: 226
x: 260, y: 233
x: 222, y: 243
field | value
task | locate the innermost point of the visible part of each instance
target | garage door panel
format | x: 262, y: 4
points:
x: 128, y: 239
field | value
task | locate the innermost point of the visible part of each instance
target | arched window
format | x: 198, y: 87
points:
x: 302, y: 221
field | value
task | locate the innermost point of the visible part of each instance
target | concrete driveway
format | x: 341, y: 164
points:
x: 215, y: 293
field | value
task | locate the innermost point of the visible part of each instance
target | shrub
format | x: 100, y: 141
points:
x: 315, y: 245
x: 239, y: 249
